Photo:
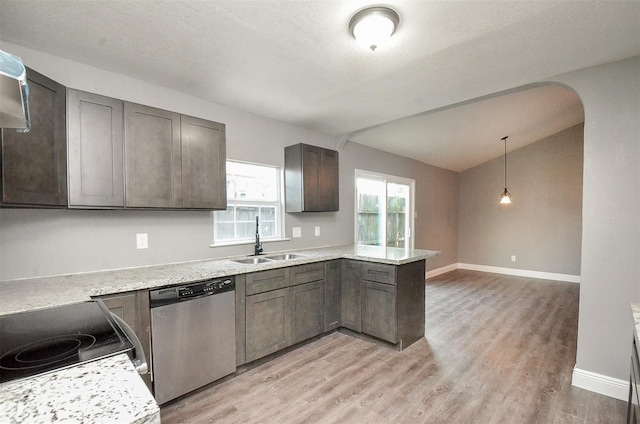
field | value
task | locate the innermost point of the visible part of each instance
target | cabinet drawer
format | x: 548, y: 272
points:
x: 264, y: 281
x: 302, y: 274
x: 379, y: 273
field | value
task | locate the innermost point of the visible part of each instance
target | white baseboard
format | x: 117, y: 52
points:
x: 507, y: 271
x: 522, y: 272
x: 441, y: 270
x: 608, y: 386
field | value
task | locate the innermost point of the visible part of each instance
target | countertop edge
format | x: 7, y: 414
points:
x: 42, y: 292
x: 79, y: 393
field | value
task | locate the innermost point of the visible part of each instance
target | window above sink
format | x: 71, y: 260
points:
x: 253, y: 190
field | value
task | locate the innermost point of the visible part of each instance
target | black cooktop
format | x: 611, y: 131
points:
x: 44, y: 340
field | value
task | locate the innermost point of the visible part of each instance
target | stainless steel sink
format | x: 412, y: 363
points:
x: 284, y: 257
x: 252, y: 260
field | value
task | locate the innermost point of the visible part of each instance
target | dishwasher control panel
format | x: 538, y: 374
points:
x: 168, y: 295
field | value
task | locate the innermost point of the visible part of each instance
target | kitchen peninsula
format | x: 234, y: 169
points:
x: 93, y: 382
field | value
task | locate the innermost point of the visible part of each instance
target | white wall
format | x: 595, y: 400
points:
x: 37, y: 242
x: 610, y: 270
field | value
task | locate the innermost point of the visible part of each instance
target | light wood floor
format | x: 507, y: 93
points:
x: 498, y: 349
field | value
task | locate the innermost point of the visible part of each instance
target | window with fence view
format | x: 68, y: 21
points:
x: 383, y: 211
x: 253, y: 190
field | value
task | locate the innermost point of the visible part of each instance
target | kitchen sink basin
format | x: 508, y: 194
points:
x: 284, y: 257
x: 252, y: 261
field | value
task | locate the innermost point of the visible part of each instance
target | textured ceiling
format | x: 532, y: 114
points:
x: 296, y: 61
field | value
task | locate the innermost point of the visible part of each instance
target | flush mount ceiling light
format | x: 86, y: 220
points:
x: 374, y: 25
x: 506, y: 196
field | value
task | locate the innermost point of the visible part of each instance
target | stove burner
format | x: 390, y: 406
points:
x: 43, y: 353
x: 43, y: 340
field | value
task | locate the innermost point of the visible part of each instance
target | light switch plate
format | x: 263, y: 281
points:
x: 317, y: 230
x: 142, y: 241
x: 297, y: 232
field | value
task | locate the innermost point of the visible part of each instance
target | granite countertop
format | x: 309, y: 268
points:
x: 28, y: 294
x: 110, y: 390
x: 104, y: 391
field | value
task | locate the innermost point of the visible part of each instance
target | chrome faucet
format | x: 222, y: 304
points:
x: 258, y: 246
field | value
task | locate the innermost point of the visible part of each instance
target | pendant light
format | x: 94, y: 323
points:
x: 506, y: 196
x: 373, y: 26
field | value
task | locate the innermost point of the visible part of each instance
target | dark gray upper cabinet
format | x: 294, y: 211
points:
x: 96, y: 145
x: 34, y: 164
x: 124, y: 154
x: 118, y: 154
x: 153, y: 158
x: 311, y: 179
x: 204, y: 164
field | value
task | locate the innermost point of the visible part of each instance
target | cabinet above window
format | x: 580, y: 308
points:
x: 166, y: 160
x: 311, y: 177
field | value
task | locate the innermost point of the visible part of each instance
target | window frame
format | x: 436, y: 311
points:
x: 278, y: 204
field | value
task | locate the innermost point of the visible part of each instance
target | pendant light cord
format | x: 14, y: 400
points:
x: 505, y: 161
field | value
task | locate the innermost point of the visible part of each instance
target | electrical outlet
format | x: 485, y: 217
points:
x: 513, y: 258
x: 142, y: 241
x: 297, y: 232
x: 317, y: 230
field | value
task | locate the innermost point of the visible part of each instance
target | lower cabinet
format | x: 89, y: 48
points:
x: 268, y: 325
x: 332, y: 294
x: 133, y: 308
x: 379, y: 316
x: 351, y: 295
x: 308, y: 310
x: 282, y: 307
x: 384, y: 301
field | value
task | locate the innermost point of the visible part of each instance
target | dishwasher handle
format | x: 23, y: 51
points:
x: 139, y: 360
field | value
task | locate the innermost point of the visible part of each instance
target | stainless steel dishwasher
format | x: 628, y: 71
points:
x: 192, y: 336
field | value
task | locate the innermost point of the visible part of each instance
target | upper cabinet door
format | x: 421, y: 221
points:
x: 329, y: 181
x: 152, y: 157
x: 204, y: 162
x: 34, y: 164
x: 96, y: 144
x: 311, y: 179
